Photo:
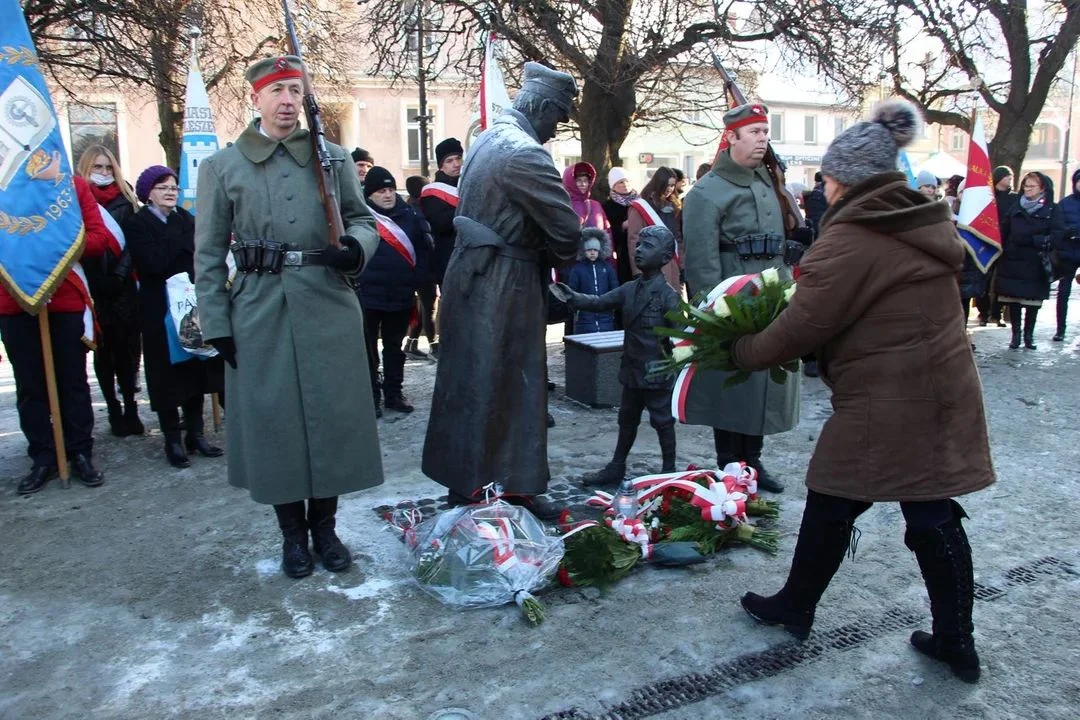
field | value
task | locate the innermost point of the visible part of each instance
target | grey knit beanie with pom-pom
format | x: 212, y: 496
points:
x: 871, y: 147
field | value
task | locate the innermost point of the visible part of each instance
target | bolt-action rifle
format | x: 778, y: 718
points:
x: 324, y: 169
x: 793, y: 218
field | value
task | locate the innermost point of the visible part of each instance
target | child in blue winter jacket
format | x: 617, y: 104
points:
x: 593, y: 274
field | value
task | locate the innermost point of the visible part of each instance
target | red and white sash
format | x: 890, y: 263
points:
x: 645, y: 210
x: 444, y: 191
x: 650, y: 216
x: 392, y: 234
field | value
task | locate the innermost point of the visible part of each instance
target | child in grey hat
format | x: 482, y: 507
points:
x: 593, y: 274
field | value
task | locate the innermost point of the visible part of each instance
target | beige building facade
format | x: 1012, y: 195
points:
x: 384, y: 121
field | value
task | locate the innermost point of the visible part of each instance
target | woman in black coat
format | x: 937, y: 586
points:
x: 1032, y: 227
x: 113, y: 288
x: 161, y: 238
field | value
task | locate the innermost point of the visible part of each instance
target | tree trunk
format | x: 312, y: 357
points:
x: 171, y: 117
x: 169, y: 96
x: 605, y: 117
x: 1010, y: 144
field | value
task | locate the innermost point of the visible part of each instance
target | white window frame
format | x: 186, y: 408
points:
x: 435, y: 129
x: 810, y: 122
x: 776, y: 120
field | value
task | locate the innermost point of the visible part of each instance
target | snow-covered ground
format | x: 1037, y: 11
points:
x: 158, y: 595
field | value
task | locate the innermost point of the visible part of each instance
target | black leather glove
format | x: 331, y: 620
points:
x: 226, y: 348
x: 349, y: 258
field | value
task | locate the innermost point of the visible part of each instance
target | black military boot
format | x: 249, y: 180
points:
x: 823, y: 540
x: 667, y: 448
x: 36, y: 479
x: 84, y: 471
x: 944, y: 557
x: 296, y: 559
x: 395, y: 400
x: 613, y: 473
x: 1014, y: 321
x: 1031, y: 314
x: 728, y: 446
x: 322, y: 519
x: 752, y: 446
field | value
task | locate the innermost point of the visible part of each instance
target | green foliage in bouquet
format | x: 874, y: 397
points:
x: 713, y: 329
x: 597, y: 556
x: 684, y: 523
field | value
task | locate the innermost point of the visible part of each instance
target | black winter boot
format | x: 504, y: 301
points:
x: 296, y: 559
x: 117, y: 424
x: 1014, y: 321
x: 823, y: 540
x: 751, y: 452
x: 395, y: 400
x: 1031, y: 314
x: 667, y: 448
x: 728, y: 447
x: 944, y: 557
x: 1062, y: 313
x: 131, y: 416
x: 614, y: 472
x: 85, y: 472
x: 322, y: 520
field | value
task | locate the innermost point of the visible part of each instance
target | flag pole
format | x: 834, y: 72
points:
x: 54, y: 397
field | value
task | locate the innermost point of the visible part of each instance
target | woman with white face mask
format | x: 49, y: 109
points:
x: 112, y: 285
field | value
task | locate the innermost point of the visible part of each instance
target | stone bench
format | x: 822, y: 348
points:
x: 592, y: 368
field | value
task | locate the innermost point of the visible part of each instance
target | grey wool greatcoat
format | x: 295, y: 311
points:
x: 301, y: 419
x: 728, y: 203
x: 488, y: 412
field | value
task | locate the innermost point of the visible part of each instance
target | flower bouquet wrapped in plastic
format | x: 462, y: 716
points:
x: 484, y: 555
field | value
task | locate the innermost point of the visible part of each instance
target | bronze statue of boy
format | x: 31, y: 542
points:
x: 645, y: 302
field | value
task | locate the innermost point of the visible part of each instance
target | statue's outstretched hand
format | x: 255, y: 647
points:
x: 562, y: 292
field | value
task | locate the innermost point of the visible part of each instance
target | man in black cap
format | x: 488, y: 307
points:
x: 438, y: 202
x: 387, y: 287
x: 363, y: 161
x: 488, y: 410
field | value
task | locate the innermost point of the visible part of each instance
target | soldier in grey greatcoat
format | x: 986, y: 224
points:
x: 488, y: 414
x: 301, y: 416
x: 733, y: 225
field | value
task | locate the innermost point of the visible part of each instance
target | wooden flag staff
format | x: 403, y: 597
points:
x: 54, y: 397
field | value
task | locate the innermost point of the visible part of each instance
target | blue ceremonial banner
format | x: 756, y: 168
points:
x: 903, y: 164
x: 200, y: 138
x: 41, y: 229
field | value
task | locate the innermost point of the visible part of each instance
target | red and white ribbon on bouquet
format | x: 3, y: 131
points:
x: 635, y: 532
x: 683, y: 383
x: 501, y: 534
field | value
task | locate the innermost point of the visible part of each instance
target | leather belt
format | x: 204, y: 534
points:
x: 296, y: 258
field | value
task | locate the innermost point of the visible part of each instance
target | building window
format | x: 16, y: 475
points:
x: 810, y: 129
x: 92, y: 125
x: 839, y: 125
x: 1045, y: 142
x: 659, y: 161
x: 776, y: 127
x: 412, y: 123
x: 959, y: 140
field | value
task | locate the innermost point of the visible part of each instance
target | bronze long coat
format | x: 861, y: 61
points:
x: 488, y: 412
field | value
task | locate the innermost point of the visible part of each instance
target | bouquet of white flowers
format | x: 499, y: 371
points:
x: 740, y: 305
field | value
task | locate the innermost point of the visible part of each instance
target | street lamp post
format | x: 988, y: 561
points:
x: 1065, y: 188
x: 422, y: 118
